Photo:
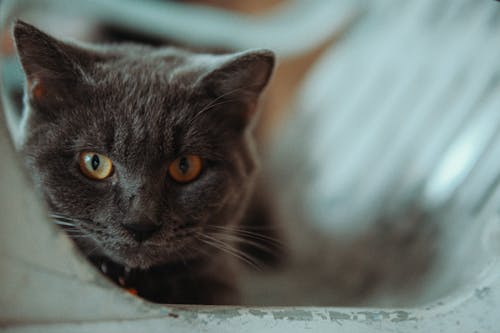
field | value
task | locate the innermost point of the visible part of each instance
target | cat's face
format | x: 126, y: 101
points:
x: 148, y: 117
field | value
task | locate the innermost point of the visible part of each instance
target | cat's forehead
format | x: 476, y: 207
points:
x: 133, y: 135
x: 145, y: 87
x: 162, y: 67
x: 145, y: 107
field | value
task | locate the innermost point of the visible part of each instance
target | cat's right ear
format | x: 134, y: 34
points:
x: 51, y: 66
x: 235, y: 82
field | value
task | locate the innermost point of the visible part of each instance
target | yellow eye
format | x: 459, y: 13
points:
x: 95, y: 166
x: 185, y: 169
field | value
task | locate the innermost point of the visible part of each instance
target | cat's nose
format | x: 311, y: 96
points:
x: 141, y: 231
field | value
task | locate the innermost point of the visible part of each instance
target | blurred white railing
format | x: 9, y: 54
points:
x: 404, y: 114
x: 408, y: 105
x: 291, y: 29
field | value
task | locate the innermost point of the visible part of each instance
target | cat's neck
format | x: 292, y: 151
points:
x: 127, y: 277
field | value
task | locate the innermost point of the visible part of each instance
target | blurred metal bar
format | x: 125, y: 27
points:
x: 313, y: 21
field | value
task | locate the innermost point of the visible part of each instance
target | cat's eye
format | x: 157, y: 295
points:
x: 95, y: 166
x: 185, y: 169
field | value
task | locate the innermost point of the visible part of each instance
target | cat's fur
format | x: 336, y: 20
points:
x: 143, y: 107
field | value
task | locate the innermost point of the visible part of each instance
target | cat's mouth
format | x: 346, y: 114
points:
x: 144, y: 255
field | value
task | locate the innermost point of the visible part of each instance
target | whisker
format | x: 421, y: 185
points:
x: 225, y: 247
x: 69, y: 219
x: 250, y: 234
x: 214, y: 103
x: 62, y: 217
x: 242, y: 240
x: 64, y: 223
x: 211, y: 104
x: 75, y: 232
x: 80, y: 236
x: 228, y: 251
x: 92, y: 251
x: 57, y: 216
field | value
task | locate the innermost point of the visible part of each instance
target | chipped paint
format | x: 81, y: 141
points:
x: 203, y: 314
x: 223, y: 314
x: 257, y: 313
x: 336, y: 316
x: 292, y: 314
x: 301, y: 315
x: 402, y: 316
x: 372, y: 316
x: 481, y: 293
x: 322, y: 316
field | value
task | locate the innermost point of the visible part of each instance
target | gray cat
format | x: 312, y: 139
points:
x: 145, y: 157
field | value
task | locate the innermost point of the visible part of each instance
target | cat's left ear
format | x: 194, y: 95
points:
x: 240, y: 78
x: 52, y: 67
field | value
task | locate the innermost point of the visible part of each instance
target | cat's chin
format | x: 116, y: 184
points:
x: 139, y: 255
x: 145, y: 257
x: 140, y: 259
x: 138, y: 262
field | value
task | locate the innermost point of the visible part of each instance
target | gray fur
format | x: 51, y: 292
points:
x: 143, y: 107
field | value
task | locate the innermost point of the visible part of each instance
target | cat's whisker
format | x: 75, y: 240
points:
x: 211, y: 106
x: 224, y: 249
x: 64, y: 223
x: 214, y: 103
x: 250, y: 234
x: 215, y: 100
x: 227, y: 248
x: 66, y: 226
x: 74, y: 232
x: 247, y: 241
x: 57, y: 216
x: 92, y: 251
x: 62, y: 217
x: 68, y: 219
x: 80, y: 236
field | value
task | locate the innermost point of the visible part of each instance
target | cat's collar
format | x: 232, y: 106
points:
x: 123, y: 276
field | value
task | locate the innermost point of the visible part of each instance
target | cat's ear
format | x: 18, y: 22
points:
x: 240, y: 78
x: 51, y: 66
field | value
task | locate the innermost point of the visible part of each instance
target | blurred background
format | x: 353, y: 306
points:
x: 379, y: 132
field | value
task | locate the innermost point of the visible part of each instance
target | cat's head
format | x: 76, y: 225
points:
x: 144, y: 154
